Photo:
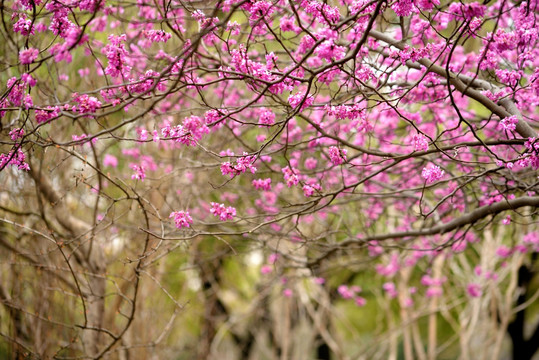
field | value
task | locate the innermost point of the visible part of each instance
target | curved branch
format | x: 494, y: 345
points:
x: 467, y: 219
x: 507, y: 107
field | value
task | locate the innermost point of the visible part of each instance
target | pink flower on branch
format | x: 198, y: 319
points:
x: 290, y: 176
x: 300, y: 99
x: 420, y: 142
x: 28, y: 56
x: 262, y: 184
x: 224, y: 213
x: 509, y: 123
x: 337, y: 156
x: 432, y: 173
x: 242, y: 164
x: 182, y: 219
x: 474, y: 290
x: 139, y: 172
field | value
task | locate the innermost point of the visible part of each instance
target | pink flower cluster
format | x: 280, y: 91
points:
x: 351, y: 112
x: 336, y: 155
x: 262, y: 184
x: 110, y: 160
x: 181, y: 219
x: 474, y: 290
x: 139, y: 172
x: 509, y: 123
x: 420, y: 142
x: 28, y: 56
x: 16, y: 134
x: 290, y: 176
x: 390, y: 289
x: 432, y: 173
x: 329, y: 51
x: 391, y: 268
x: 321, y: 11
x: 195, y: 127
x: 242, y: 164
x: 348, y: 293
x: 46, y: 114
x: 116, y: 54
x: 267, y: 117
x: 17, y: 90
x: 224, y: 213
x: 403, y: 7
x: 157, y: 35
x: 14, y: 159
x: 434, y: 285
x: 310, y: 188
x: 87, y: 104
x: 24, y: 26
x: 466, y: 11
x: 260, y: 10
x: 300, y: 98
x: 147, y: 82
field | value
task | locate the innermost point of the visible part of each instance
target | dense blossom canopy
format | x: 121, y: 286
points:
x: 387, y: 144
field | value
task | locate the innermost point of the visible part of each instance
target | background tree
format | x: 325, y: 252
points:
x: 269, y: 179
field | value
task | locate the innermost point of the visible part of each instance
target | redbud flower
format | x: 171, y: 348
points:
x: 28, y: 56
x: 420, y: 142
x: 181, y: 219
x: 110, y: 160
x: 474, y: 290
x: 337, y: 156
x: 509, y: 123
x: 432, y: 173
x: 224, y: 213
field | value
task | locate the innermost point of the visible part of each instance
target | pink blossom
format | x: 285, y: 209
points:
x: 157, y: 35
x: 16, y: 134
x: 503, y: 251
x: 28, y: 56
x: 432, y: 173
x: 308, y: 190
x: 86, y: 104
x: 17, y: 158
x: 242, y: 164
x: 434, y: 291
x: 262, y: 184
x: 403, y: 7
x: 390, y: 269
x: 360, y: 301
x: 420, y: 142
x: 267, y: 117
x: 337, y: 156
x: 290, y: 176
x: 181, y: 219
x: 224, y: 213
x: 467, y: 11
x: 139, y: 172
x: 110, y: 160
x: 116, y: 53
x: 345, y: 292
x: 272, y: 258
x: 310, y: 163
x: 474, y: 290
x: 329, y: 51
x: 300, y: 98
x: 390, y: 289
x: 47, y: 114
x: 24, y: 26
x: 509, y: 123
